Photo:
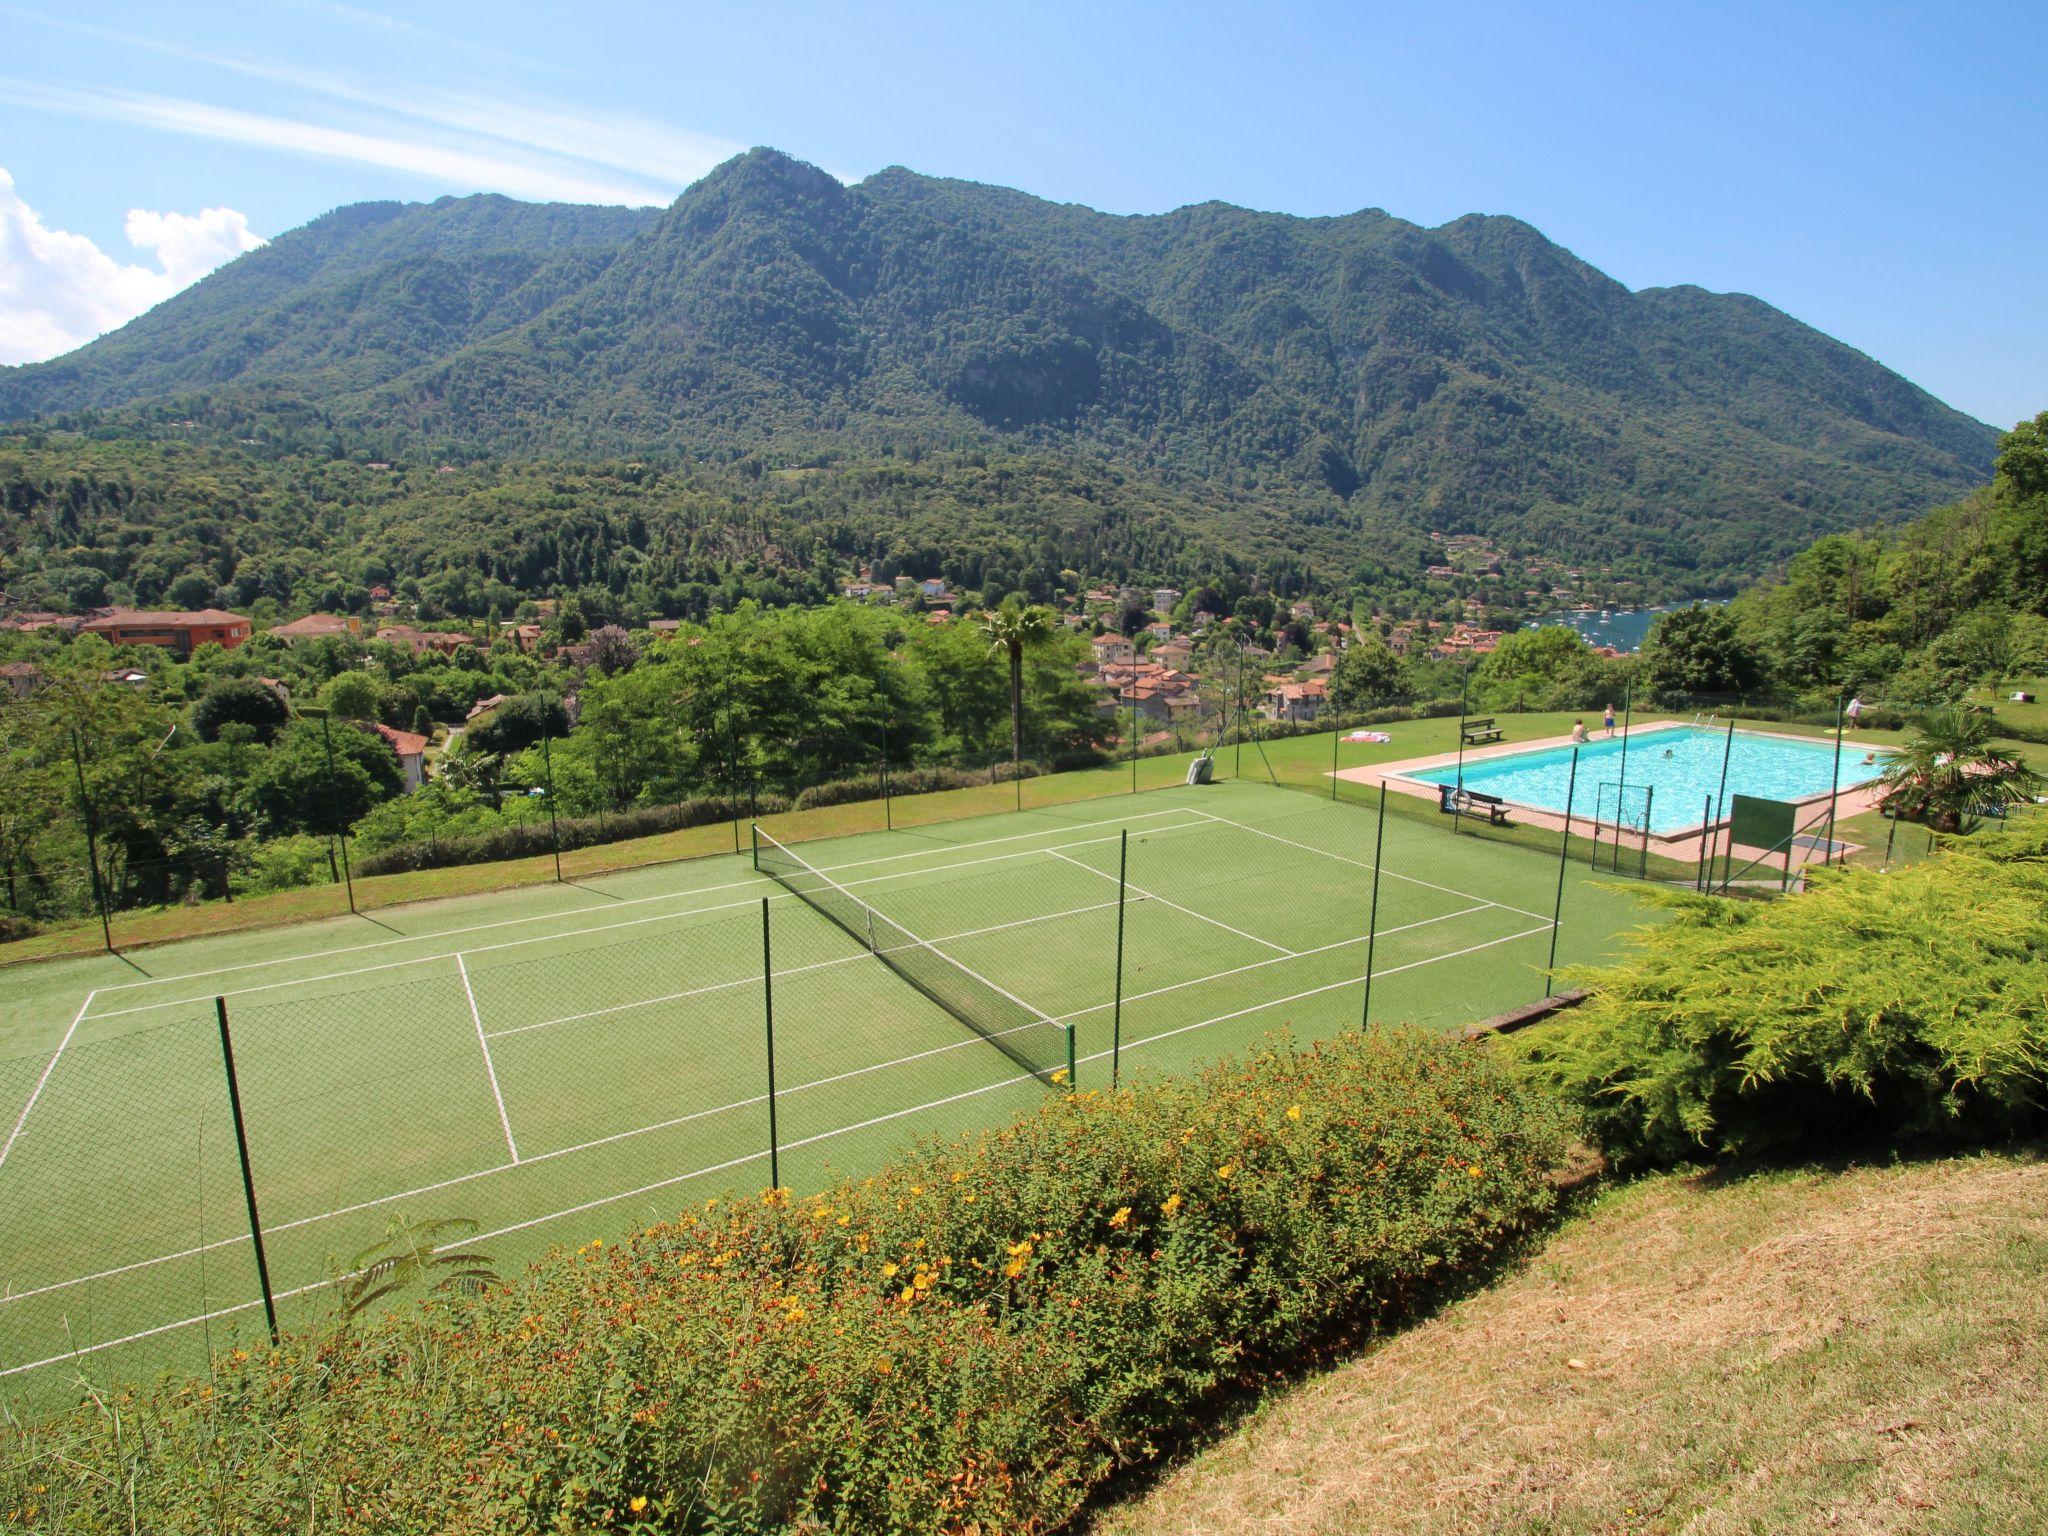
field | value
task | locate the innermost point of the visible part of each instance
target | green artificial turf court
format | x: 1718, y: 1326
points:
x: 558, y: 1065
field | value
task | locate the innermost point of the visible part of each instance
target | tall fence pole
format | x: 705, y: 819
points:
x: 227, y: 1056
x: 1834, y: 786
x: 92, y: 843
x: 1237, y: 713
x: 1649, y: 815
x: 554, y: 830
x: 1134, y: 739
x: 1334, y: 733
x: 1116, y: 1028
x: 1699, y: 874
x: 888, y: 810
x: 1458, y: 800
x: 340, y: 831
x: 1564, y: 851
x: 768, y: 1013
x: 1628, y: 714
x: 1721, y: 798
x: 1372, y: 920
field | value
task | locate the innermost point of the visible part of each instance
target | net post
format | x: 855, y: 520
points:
x: 1372, y: 919
x: 1116, y: 1033
x: 227, y: 1056
x: 92, y: 843
x: 1563, y: 853
x: 754, y: 834
x: 768, y: 1018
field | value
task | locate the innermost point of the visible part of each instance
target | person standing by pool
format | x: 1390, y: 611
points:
x: 1579, y: 728
x: 1854, y: 710
x: 1608, y: 721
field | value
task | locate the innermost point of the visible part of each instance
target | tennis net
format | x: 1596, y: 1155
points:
x: 1040, y: 1045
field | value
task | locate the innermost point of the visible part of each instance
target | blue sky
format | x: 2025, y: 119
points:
x: 1875, y: 170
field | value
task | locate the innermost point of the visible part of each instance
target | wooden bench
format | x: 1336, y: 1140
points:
x: 1453, y: 801
x: 1480, y: 730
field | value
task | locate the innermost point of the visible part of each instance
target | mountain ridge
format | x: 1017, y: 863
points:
x: 1474, y: 376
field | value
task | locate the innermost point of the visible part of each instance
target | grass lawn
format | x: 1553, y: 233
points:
x: 1816, y: 1350
x: 559, y: 1062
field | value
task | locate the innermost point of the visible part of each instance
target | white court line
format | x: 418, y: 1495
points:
x: 794, y: 970
x: 1188, y: 911
x: 757, y: 1156
x: 1391, y: 874
x: 701, y: 1114
x: 605, y: 906
x: 51, y: 1066
x: 490, y: 1068
x: 1355, y: 981
x: 636, y: 922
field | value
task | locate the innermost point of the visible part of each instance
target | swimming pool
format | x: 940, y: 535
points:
x: 1680, y: 764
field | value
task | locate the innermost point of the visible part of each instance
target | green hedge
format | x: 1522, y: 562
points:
x: 973, y: 1339
x: 1908, y: 1004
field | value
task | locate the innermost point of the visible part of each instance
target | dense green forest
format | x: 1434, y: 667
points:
x: 1347, y: 375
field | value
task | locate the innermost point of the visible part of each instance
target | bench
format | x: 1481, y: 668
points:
x: 1453, y: 801
x: 1481, y: 730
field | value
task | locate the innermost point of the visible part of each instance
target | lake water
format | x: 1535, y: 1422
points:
x: 1625, y: 628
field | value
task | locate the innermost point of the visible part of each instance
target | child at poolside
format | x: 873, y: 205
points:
x: 1608, y: 721
x: 1579, y: 729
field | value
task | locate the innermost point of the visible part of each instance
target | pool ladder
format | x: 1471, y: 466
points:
x: 1704, y: 721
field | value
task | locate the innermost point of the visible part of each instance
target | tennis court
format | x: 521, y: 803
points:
x: 563, y: 1073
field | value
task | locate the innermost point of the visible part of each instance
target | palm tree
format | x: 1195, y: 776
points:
x: 1949, y: 772
x: 1012, y: 629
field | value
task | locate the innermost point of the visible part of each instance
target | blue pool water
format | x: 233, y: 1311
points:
x: 1681, y: 766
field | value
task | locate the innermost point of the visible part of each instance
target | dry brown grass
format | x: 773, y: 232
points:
x: 1859, y: 1351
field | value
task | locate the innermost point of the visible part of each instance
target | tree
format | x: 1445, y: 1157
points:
x: 1699, y: 650
x: 1367, y: 674
x: 1549, y: 667
x: 295, y: 790
x: 518, y: 723
x: 239, y: 701
x: 1011, y: 630
x: 1949, y: 773
x: 352, y: 696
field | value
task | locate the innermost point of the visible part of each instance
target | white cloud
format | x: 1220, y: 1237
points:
x: 59, y: 290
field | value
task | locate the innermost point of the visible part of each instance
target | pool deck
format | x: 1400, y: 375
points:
x: 1683, y: 845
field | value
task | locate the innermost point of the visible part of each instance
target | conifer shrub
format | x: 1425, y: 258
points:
x: 1910, y: 1004
x: 972, y: 1339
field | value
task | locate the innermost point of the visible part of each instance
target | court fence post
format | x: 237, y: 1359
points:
x: 1458, y: 800
x: 1334, y: 733
x: 92, y: 843
x: 1116, y: 1028
x: 1564, y: 851
x: 554, y: 830
x: 1834, y: 787
x: 227, y: 1056
x: 888, y: 810
x: 1072, y: 1086
x: 768, y: 1015
x: 1699, y: 877
x: 1643, y: 857
x: 340, y: 830
x: 1372, y: 919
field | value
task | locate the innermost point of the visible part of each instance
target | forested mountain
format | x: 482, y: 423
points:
x: 1349, y: 373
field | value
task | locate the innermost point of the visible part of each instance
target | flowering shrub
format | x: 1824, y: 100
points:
x: 972, y: 1339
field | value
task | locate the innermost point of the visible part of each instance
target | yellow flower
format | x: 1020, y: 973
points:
x: 846, y: 1221
x: 922, y: 1280
x: 909, y: 1295
x: 1122, y: 1218
x: 1226, y: 1170
x: 1014, y: 1268
x: 1020, y: 1250
x: 1476, y: 1171
x: 884, y: 1366
x: 797, y: 1314
x: 889, y: 1270
x: 637, y: 1503
x: 1060, y: 1076
x: 1172, y: 1203
x: 1294, y: 1111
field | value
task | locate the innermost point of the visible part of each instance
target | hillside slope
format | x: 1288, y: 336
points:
x: 1474, y: 376
x: 1807, y: 1351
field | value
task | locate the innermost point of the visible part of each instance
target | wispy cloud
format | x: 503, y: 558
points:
x: 530, y: 130
x: 58, y: 290
x: 525, y: 175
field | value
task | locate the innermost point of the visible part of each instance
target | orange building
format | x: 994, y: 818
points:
x: 179, y: 632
